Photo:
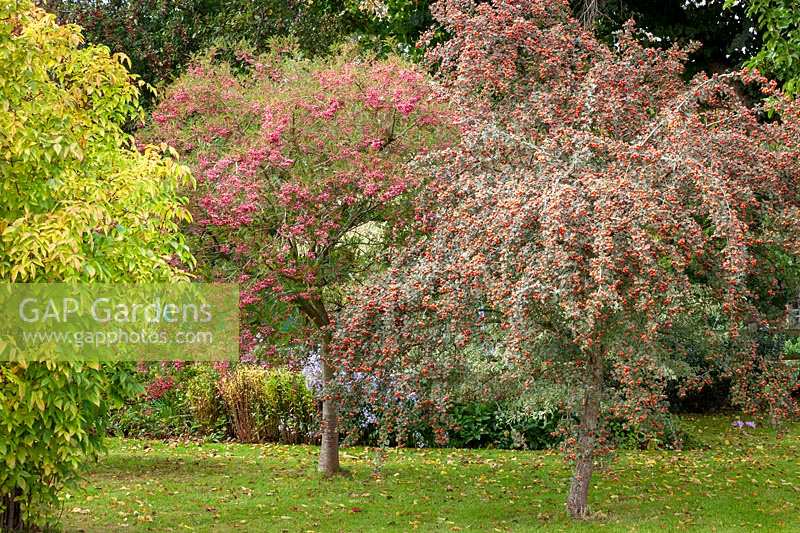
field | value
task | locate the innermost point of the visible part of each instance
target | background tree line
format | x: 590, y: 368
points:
x: 160, y: 36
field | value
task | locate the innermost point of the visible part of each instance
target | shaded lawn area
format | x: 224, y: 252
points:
x: 741, y: 481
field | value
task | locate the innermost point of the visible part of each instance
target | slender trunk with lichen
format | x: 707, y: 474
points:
x: 329, y: 422
x: 578, y: 497
x: 329, y: 447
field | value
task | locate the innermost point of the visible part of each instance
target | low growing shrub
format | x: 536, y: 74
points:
x: 203, y: 400
x: 495, y: 425
x: 159, y: 413
x: 668, y: 436
x: 268, y: 405
x: 505, y: 425
x: 291, y: 406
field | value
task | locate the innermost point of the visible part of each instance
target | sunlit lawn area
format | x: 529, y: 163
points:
x: 746, y: 481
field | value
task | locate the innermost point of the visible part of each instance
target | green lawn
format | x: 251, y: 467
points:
x: 743, y: 482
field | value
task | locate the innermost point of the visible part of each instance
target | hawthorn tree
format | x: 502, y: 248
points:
x: 596, y: 203
x: 302, y: 182
x: 80, y: 204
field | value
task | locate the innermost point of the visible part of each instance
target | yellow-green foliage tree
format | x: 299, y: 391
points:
x: 78, y: 203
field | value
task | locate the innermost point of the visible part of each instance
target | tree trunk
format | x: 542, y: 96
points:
x: 578, y: 497
x: 329, y: 448
x: 11, y: 517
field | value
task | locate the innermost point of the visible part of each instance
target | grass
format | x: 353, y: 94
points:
x: 742, y: 481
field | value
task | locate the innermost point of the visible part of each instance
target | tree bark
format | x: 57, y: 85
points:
x: 589, y: 13
x: 329, y: 424
x: 578, y: 497
x: 11, y: 517
x: 329, y: 448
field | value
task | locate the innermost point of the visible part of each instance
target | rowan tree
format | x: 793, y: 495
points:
x: 596, y: 204
x: 302, y: 182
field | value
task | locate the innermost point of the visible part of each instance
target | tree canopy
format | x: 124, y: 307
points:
x: 80, y: 203
x: 302, y: 184
x: 596, y: 201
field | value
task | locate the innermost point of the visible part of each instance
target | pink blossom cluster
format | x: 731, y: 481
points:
x: 290, y: 164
